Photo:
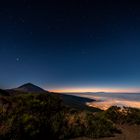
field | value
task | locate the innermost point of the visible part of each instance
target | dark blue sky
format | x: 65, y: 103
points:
x: 70, y: 44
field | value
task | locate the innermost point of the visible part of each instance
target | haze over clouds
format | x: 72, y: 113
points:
x: 106, y: 100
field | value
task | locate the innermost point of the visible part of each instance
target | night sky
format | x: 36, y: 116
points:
x: 70, y: 45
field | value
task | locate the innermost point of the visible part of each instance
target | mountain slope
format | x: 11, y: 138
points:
x: 3, y: 93
x: 77, y: 102
x: 29, y: 87
x: 70, y: 100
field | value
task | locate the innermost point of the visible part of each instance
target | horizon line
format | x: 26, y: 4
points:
x: 97, y: 90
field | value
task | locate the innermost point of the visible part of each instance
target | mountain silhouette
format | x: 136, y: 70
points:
x: 29, y: 87
x: 69, y: 100
x: 3, y: 93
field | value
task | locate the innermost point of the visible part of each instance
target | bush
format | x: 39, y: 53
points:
x: 123, y: 115
x: 44, y: 116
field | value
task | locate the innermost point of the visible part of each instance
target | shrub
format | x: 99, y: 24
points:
x: 44, y: 116
x: 123, y: 115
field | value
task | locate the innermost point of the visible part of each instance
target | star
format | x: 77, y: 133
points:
x: 17, y: 59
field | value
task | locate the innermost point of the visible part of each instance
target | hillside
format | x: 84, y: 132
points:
x: 4, y: 93
x: 45, y: 116
x: 78, y: 102
x: 69, y: 100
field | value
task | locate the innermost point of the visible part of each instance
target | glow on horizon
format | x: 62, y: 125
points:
x: 82, y: 89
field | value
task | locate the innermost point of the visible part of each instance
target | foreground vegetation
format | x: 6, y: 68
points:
x: 124, y: 115
x: 44, y: 116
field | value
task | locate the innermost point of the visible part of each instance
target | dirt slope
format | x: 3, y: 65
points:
x: 128, y: 133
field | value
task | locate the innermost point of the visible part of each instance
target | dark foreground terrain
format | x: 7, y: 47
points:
x: 129, y: 132
x: 45, y: 115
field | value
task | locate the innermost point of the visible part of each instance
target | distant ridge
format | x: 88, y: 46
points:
x: 3, y: 93
x: 69, y: 100
x: 96, y: 92
x: 29, y: 87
